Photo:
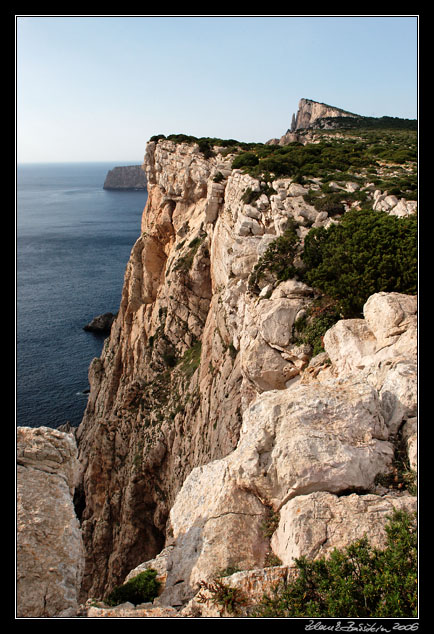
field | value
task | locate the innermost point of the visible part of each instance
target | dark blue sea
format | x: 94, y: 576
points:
x: 73, y: 243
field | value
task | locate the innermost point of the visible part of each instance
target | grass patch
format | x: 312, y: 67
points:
x: 189, y: 363
x: 141, y: 589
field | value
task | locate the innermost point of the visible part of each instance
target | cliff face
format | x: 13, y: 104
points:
x: 149, y: 422
x: 310, y: 116
x: 205, y: 415
x: 50, y: 553
x: 124, y: 178
x: 310, y: 111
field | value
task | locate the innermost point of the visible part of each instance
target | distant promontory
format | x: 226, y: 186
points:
x: 130, y: 177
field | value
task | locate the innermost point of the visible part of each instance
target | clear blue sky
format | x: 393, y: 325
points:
x: 96, y: 88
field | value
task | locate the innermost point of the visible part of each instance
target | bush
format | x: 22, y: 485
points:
x: 191, y: 359
x: 140, y: 589
x: 365, y: 253
x: 357, y: 581
x: 278, y: 259
x: 218, y: 593
x: 245, y: 159
x: 321, y: 315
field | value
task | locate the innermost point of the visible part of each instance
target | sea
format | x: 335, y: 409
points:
x: 73, y: 241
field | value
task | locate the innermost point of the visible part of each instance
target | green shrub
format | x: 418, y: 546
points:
x: 357, y: 581
x: 245, y: 159
x: 278, y: 259
x: 222, y: 595
x: 321, y: 315
x: 365, y: 253
x: 191, y: 359
x: 185, y: 262
x: 249, y: 196
x: 140, y: 589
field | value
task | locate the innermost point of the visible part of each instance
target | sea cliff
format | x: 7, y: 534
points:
x: 210, y: 418
x: 129, y: 177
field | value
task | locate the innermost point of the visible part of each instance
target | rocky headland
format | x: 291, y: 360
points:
x: 214, y: 437
x: 129, y: 177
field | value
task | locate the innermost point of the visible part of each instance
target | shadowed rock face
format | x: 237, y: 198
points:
x: 128, y: 177
x: 101, y: 324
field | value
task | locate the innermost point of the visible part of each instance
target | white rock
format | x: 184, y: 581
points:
x: 404, y: 208
x: 50, y: 552
x: 398, y: 394
x: 244, y: 226
x: 215, y: 524
x: 252, y: 212
x: 388, y: 331
x: 313, y: 525
x: 351, y: 187
x: 277, y: 318
x: 295, y: 189
x: 347, y: 343
x: 293, y: 442
x: 292, y: 289
x: 263, y: 365
x: 389, y: 315
x: 257, y: 229
x: 391, y: 201
x: 409, y: 434
x: 328, y: 436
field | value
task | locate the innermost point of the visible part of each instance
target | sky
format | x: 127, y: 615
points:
x: 96, y: 88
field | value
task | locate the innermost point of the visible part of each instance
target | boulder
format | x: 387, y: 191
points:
x: 316, y: 437
x: 387, y: 332
x: 215, y: 524
x: 50, y: 553
x: 101, y: 324
x: 313, y: 525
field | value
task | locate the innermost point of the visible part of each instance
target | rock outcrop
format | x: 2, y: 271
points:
x: 101, y: 323
x: 311, y: 115
x: 207, y: 420
x: 310, y: 112
x: 125, y: 178
x: 50, y: 553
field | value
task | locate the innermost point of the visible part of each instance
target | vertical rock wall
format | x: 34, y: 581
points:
x: 50, y: 553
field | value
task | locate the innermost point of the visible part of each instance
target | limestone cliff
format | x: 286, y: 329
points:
x: 309, y: 112
x: 126, y: 177
x: 50, y: 553
x: 311, y: 115
x: 206, y: 415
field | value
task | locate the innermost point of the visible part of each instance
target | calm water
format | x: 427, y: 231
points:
x: 73, y: 243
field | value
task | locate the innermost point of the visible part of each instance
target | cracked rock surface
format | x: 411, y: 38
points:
x: 50, y: 553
